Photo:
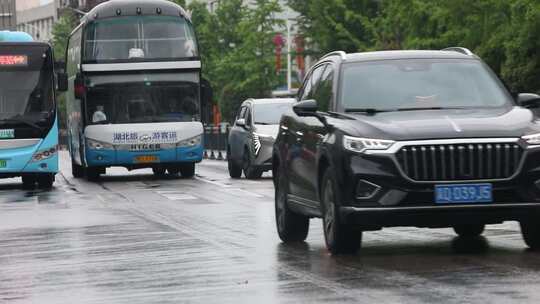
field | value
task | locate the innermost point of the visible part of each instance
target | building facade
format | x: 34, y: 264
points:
x: 37, y: 17
x: 8, y: 15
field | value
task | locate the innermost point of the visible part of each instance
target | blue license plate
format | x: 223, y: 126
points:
x: 465, y: 193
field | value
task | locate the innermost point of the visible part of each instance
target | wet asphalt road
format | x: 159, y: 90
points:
x: 133, y: 239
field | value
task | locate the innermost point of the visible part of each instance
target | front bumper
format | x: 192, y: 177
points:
x: 263, y: 159
x: 399, y: 201
x: 437, y: 216
x: 108, y: 158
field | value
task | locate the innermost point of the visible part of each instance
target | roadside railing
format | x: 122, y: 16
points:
x: 216, y: 139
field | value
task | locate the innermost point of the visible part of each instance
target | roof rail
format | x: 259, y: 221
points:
x: 341, y: 54
x: 459, y: 49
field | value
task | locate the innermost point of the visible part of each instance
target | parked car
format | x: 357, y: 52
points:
x: 252, y: 136
x: 406, y: 138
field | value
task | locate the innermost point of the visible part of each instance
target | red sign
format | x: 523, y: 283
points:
x: 13, y: 60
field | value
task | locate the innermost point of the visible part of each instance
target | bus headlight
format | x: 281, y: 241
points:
x: 190, y: 142
x: 44, y: 154
x: 98, y: 145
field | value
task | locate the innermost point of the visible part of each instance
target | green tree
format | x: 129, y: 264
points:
x: 237, y: 50
x: 60, y: 33
x: 505, y: 33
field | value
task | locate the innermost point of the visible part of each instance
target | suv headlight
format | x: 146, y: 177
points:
x: 264, y: 136
x: 98, y: 145
x: 44, y: 154
x: 190, y: 142
x: 533, y: 139
x: 362, y: 145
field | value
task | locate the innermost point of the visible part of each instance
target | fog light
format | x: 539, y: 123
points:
x: 366, y: 190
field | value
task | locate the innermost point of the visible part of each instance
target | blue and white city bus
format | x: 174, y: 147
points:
x: 134, y: 90
x: 28, y: 120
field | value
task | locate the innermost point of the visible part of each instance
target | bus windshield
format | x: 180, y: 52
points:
x: 113, y: 100
x: 26, y: 83
x: 139, y: 38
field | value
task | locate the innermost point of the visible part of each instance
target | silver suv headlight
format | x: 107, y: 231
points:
x: 362, y: 145
x: 190, y: 142
x: 533, y: 139
x: 98, y: 145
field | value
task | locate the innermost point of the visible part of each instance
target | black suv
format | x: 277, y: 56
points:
x: 406, y: 138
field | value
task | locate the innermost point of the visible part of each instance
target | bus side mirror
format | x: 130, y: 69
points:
x: 79, y: 89
x: 62, y: 82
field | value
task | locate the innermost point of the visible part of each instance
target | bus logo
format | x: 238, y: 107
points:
x: 7, y: 133
x: 145, y: 138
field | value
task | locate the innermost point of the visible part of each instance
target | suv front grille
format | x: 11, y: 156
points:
x: 449, y: 162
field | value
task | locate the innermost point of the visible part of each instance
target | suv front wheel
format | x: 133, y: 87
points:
x: 530, y: 229
x: 340, y: 238
x: 292, y: 227
x: 250, y: 171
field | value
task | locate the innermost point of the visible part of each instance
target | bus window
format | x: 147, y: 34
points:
x: 30, y: 90
x: 143, y: 103
x: 139, y: 37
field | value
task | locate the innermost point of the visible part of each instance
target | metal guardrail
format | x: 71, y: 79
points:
x: 216, y: 139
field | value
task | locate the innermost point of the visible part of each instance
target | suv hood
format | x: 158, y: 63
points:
x: 444, y: 124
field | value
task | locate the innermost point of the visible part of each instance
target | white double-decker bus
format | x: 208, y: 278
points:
x: 134, y: 89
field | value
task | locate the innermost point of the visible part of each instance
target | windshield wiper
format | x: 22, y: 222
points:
x: 429, y: 108
x: 374, y: 111
x: 367, y: 110
x: 20, y: 119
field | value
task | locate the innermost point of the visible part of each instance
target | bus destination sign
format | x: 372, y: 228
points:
x: 13, y: 60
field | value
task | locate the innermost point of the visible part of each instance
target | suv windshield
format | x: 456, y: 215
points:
x: 139, y: 38
x: 419, y: 84
x: 26, y: 84
x: 269, y: 113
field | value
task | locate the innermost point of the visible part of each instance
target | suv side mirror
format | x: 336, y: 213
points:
x: 62, y: 80
x: 241, y: 122
x: 528, y: 100
x: 306, y: 108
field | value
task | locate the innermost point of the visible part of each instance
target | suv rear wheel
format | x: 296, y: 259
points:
x: 469, y: 230
x: 530, y: 229
x: 291, y: 227
x: 340, y: 238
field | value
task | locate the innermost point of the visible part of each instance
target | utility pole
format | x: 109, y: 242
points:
x: 289, y: 67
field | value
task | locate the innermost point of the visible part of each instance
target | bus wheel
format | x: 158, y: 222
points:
x: 187, y: 170
x: 45, y: 181
x: 159, y: 171
x: 173, y: 170
x: 92, y: 173
x: 76, y: 170
x: 29, y: 182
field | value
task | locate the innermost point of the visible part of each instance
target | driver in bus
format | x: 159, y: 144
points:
x: 99, y: 115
